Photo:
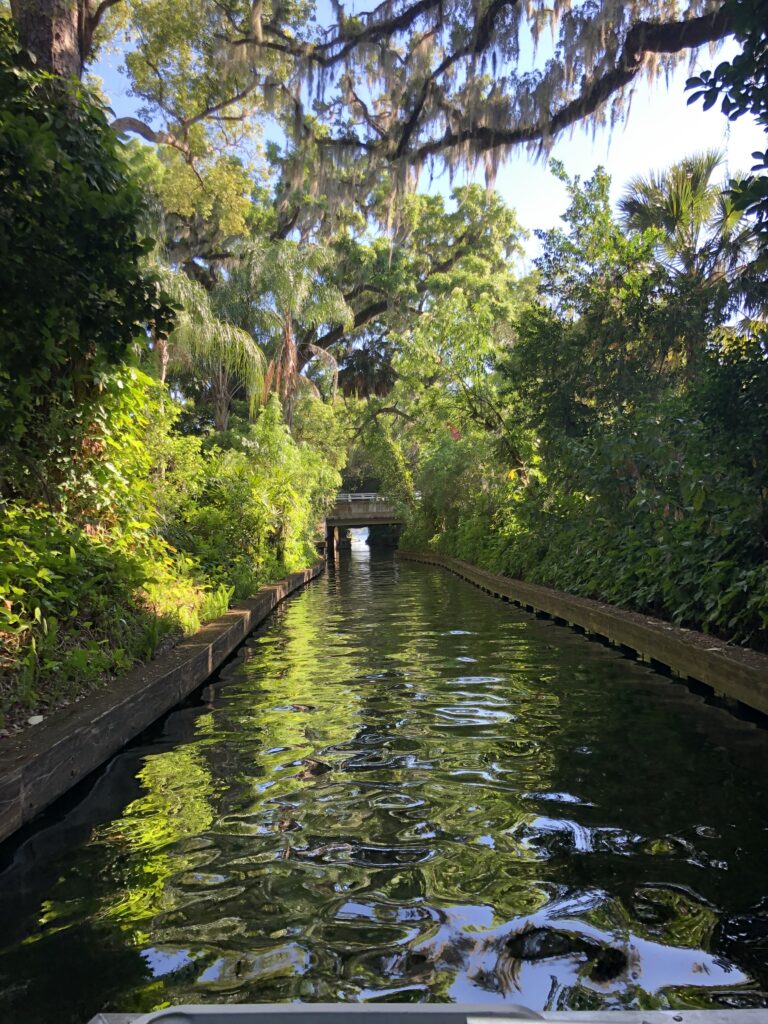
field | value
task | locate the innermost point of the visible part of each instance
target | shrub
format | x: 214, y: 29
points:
x: 74, y: 298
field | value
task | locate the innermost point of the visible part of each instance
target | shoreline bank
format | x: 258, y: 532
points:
x: 42, y: 763
x: 736, y: 673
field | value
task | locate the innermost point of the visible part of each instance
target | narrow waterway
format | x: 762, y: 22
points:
x: 405, y: 790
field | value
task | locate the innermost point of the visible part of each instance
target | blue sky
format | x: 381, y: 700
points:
x: 660, y: 129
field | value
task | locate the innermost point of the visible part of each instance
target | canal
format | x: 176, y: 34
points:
x: 402, y: 789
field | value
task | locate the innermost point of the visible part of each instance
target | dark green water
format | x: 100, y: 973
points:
x: 406, y: 790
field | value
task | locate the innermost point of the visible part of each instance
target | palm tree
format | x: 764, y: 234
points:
x: 209, y: 341
x: 275, y: 292
x: 367, y: 369
x: 292, y: 297
x: 703, y: 241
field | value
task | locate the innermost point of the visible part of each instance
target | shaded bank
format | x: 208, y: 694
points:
x: 733, y: 672
x: 40, y: 765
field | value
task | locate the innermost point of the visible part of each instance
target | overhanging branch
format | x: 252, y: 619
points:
x: 132, y: 125
x: 642, y: 39
x: 402, y: 144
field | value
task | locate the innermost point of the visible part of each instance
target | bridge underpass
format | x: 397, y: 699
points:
x: 353, y: 511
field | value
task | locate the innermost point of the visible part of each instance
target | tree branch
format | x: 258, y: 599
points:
x: 362, y: 317
x: 100, y: 11
x: 125, y: 125
x: 385, y: 410
x: 89, y: 18
x: 334, y: 50
x: 643, y: 38
x: 392, y: 410
x: 216, y: 107
x: 477, y: 44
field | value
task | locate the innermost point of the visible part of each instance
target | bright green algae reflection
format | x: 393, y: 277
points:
x: 403, y: 789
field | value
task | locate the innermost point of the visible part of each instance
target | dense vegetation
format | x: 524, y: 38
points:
x: 610, y: 437
x: 128, y: 511
x: 197, y: 335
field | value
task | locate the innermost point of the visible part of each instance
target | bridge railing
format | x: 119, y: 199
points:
x: 369, y: 496
x: 360, y: 496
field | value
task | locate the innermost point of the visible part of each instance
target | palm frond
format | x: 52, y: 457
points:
x: 700, y: 231
x: 189, y: 296
x: 211, y: 343
x: 287, y: 290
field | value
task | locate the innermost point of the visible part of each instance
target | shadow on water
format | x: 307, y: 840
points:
x: 401, y: 789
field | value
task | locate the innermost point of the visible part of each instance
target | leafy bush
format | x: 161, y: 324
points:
x: 638, y: 412
x: 115, y: 528
x: 76, y: 605
x: 74, y: 297
x: 156, y: 533
x: 249, y: 512
x: 658, y: 514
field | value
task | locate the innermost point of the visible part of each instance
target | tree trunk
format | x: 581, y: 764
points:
x: 289, y: 369
x: 54, y: 32
x: 164, y: 354
x: 221, y: 393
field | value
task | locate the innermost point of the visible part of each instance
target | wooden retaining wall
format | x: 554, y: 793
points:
x: 732, y: 672
x: 46, y: 760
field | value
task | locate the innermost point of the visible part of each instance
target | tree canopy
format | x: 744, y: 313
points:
x: 373, y: 96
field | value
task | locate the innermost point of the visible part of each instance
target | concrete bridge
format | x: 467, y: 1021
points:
x: 357, y: 510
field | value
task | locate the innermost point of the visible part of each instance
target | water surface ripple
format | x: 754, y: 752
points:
x: 404, y: 790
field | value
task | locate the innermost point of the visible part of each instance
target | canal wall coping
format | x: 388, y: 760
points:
x: 732, y: 672
x: 43, y: 762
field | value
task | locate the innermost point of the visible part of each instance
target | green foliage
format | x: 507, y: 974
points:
x: 705, y: 245
x: 438, y: 249
x: 154, y: 533
x: 600, y: 320
x: 87, y: 582
x: 247, y: 513
x: 741, y: 85
x: 386, y: 456
x: 53, y: 575
x: 208, y: 94
x: 212, y: 342
x: 680, y: 536
x: 74, y: 297
x: 74, y: 604
x: 119, y: 528
x: 636, y: 469
x: 287, y: 290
